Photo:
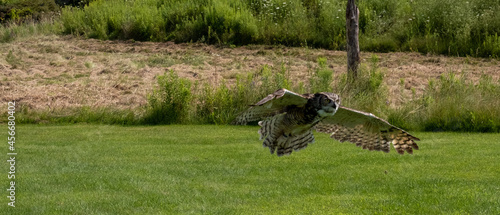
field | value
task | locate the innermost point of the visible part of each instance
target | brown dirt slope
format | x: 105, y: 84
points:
x: 54, y: 72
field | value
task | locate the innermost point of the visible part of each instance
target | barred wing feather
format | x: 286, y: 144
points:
x: 271, y: 105
x: 366, y: 130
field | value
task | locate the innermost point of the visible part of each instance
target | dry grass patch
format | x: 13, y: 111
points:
x: 50, y: 72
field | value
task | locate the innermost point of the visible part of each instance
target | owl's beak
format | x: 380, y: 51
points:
x: 326, y: 111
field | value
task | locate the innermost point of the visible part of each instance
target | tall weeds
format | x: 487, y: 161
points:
x: 12, y: 31
x: 460, y: 27
x: 220, y: 104
x: 454, y: 103
x: 170, y: 102
x: 367, y: 93
x: 450, y: 103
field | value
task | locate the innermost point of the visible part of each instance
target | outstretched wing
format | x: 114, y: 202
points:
x: 271, y: 105
x: 366, y: 130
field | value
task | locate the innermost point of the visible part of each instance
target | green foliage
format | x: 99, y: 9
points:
x: 454, y: 104
x: 448, y: 27
x: 322, y: 79
x: 14, y: 31
x: 215, y: 105
x: 136, y: 20
x: 367, y: 93
x: 457, y: 104
x: 450, y: 103
x: 219, y: 104
x: 179, y: 101
x: 74, y: 3
x: 170, y: 102
x: 220, y: 22
x: 379, y: 44
x: 24, y: 18
x: 26, y: 10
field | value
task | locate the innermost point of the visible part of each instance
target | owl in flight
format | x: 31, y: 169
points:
x: 288, y: 119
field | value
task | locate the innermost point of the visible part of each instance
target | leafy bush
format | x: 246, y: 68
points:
x: 218, y: 23
x: 74, y: 3
x: 136, y: 20
x: 170, y: 102
x: 28, y: 10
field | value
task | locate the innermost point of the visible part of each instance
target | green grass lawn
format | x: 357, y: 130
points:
x: 99, y: 169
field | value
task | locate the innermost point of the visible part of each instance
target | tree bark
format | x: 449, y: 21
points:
x: 352, y: 27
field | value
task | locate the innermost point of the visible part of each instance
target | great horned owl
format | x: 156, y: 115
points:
x: 288, y: 119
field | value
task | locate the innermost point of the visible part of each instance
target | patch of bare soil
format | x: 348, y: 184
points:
x: 53, y: 72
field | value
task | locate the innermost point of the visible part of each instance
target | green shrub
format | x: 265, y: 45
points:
x: 322, y: 79
x: 12, y: 31
x: 74, y: 3
x: 219, y: 23
x: 27, y: 10
x: 220, y: 104
x: 216, y: 105
x: 382, y: 44
x: 170, y: 102
x: 138, y: 20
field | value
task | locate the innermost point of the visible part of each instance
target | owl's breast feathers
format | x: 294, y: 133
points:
x: 299, y: 116
x: 289, y: 131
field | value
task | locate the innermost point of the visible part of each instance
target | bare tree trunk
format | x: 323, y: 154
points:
x: 352, y: 27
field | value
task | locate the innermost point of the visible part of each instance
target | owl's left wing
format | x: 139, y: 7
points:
x: 366, y: 130
x: 274, y: 103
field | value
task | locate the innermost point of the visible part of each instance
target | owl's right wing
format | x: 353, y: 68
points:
x: 271, y: 105
x: 366, y: 130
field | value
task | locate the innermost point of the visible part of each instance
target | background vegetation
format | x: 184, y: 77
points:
x: 458, y: 27
x: 21, y: 11
x: 451, y: 27
x: 450, y: 103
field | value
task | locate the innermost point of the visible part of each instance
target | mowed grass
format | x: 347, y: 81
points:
x: 184, y: 169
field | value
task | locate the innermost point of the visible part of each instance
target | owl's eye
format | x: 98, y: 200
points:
x: 325, y: 101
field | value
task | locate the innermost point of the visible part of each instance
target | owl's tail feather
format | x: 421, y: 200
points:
x: 300, y: 142
x: 283, y: 144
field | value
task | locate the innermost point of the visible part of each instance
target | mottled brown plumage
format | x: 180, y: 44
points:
x: 288, y: 119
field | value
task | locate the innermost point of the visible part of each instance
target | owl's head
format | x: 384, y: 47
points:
x: 326, y: 103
